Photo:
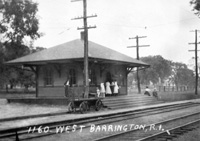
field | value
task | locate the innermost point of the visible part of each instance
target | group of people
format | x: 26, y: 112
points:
x: 109, y: 89
x: 154, y: 93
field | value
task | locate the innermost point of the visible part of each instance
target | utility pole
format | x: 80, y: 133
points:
x: 138, y: 58
x: 196, y: 61
x: 85, y: 27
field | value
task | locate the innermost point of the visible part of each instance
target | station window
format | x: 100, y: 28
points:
x: 72, y: 74
x: 93, y: 77
x: 48, y: 77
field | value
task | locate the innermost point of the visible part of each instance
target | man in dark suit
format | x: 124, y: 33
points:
x: 67, y: 85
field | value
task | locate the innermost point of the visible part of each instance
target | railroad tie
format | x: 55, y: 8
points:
x: 177, y: 132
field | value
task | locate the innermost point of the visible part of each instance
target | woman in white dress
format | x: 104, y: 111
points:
x: 116, y: 88
x: 108, y: 90
x: 102, y: 89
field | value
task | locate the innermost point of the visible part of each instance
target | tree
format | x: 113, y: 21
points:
x: 162, y: 70
x: 165, y: 70
x: 181, y: 75
x: 19, y: 20
x: 196, y: 6
x: 159, y: 69
x: 18, y: 23
x: 33, y: 50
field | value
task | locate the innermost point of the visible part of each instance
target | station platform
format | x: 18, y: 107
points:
x: 60, y: 114
x: 112, y: 102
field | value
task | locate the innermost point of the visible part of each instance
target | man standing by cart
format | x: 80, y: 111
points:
x: 67, y: 85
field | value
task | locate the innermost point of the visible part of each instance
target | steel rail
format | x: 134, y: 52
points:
x: 175, y: 131
x: 117, y: 135
x: 21, y: 131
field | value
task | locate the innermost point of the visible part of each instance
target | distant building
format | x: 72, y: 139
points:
x: 53, y: 67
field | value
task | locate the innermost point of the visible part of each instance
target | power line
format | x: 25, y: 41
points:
x: 85, y: 33
x: 196, y: 60
x: 121, y: 25
x: 138, y: 58
x: 173, y: 22
x: 137, y: 45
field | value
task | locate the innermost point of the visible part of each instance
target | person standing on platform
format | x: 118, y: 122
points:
x: 108, y: 90
x: 116, y: 88
x: 102, y: 89
x: 67, y: 85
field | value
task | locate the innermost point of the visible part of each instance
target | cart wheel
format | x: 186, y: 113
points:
x: 83, y: 107
x: 98, y: 105
x: 71, y: 107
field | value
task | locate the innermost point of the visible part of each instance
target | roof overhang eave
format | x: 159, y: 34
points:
x: 133, y: 64
x: 42, y: 62
x: 96, y: 60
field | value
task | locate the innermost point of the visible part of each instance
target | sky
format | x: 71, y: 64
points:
x: 166, y: 23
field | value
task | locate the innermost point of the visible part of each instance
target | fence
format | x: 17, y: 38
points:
x: 174, y: 88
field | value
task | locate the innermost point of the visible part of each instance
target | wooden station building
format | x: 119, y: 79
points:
x: 54, y: 65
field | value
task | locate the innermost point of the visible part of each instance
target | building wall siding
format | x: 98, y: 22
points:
x: 51, y: 92
x: 117, y: 72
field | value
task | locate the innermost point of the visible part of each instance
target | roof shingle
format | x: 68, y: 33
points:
x: 75, y: 50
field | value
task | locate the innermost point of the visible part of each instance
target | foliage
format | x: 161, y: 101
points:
x: 19, y: 23
x: 159, y: 69
x: 164, y: 71
x: 33, y: 50
x: 182, y: 75
x: 19, y: 20
x: 196, y: 6
x: 131, y: 77
x: 15, y: 75
x: 15, y: 50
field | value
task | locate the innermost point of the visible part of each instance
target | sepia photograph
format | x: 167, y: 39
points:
x: 99, y: 70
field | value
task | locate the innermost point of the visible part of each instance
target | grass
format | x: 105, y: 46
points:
x: 170, y: 96
x: 177, y: 96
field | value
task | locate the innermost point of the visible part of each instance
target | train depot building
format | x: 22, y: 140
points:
x: 54, y: 65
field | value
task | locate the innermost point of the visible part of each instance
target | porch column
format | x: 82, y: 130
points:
x: 36, y: 79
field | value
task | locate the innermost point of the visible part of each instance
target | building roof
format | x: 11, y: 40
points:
x: 74, y: 50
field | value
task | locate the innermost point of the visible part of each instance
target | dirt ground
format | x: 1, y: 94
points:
x: 8, y: 110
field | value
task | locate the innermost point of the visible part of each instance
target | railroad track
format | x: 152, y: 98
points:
x: 160, y: 131
x: 48, y: 129
x: 174, y: 132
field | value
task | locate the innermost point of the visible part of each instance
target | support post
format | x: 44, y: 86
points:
x: 138, y: 58
x: 86, y: 72
x: 36, y: 80
x: 196, y: 62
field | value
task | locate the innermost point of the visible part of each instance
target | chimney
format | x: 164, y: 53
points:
x: 82, y: 35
